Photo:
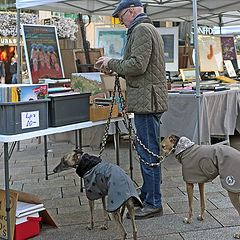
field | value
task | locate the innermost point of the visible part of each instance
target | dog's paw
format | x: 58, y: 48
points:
x: 187, y: 220
x: 104, y: 227
x: 237, y: 235
x: 200, y: 218
x: 90, y: 226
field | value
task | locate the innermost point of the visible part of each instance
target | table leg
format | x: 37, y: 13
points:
x: 130, y: 149
x: 45, y: 156
x: 6, y: 158
x: 76, y: 139
x: 116, y: 143
x: 80, y: 147
x: 80, y: 138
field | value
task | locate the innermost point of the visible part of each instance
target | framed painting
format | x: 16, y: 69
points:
x: 210, y: 53
x: 188, y: 74
x: 112, y: 40
x: 42, y: 52
x: 237, y: 42
x: 228, y: 48
x: 170, y: 40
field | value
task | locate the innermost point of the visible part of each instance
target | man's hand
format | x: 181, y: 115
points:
x: 103, y: 61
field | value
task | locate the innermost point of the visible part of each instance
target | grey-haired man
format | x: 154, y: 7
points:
x: 143, y: 67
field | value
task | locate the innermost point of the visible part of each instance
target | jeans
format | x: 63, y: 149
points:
x: 14, y: 78
x: 147, y: 130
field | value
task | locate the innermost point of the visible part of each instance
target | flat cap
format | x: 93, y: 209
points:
x: 126, y: 4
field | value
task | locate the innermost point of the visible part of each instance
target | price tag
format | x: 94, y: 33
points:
x: 30, y: 119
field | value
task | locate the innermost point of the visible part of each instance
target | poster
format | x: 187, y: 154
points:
x: 170, y: 41
x: 42, y: 52
x: 210, y: 53
x: 112, y: 40
x: 228, y: 48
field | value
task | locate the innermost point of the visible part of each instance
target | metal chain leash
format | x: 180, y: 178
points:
x: 128, y: 126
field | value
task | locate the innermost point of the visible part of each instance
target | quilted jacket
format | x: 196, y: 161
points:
x: 143, y: 67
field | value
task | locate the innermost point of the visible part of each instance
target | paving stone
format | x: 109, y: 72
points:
x: 45, y: 193
x: 227, y: 217
x: 183, y: 207
x: 62, y: 202
x: 211, y: 234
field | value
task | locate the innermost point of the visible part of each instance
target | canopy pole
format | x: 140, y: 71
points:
x: 18, y: 48
x: 197, y: 67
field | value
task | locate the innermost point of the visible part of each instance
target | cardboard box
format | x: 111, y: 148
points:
x: 102, y: 113
x: 23, y: 197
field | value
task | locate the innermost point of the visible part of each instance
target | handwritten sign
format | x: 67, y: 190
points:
x: 3, y: 215
x: 30, y: 119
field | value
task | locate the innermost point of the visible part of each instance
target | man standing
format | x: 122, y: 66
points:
x: 2, y: 71
x: 13, y: 70
x: 143, y: 67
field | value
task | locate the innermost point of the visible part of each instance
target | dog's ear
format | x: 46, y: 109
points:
x: 78, y: 151
x: 173, y: 138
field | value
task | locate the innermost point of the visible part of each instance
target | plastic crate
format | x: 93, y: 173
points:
x: 67, y: 109
x: 22, y: 117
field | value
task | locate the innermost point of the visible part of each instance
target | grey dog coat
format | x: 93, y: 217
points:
x: 109, y: 179
x: 202, y: 163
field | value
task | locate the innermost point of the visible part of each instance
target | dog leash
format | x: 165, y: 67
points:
x: 129, y: 127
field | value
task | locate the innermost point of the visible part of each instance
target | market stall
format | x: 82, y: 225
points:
x: 155, y: 9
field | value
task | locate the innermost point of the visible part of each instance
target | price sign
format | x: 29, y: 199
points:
x: 30, y: 119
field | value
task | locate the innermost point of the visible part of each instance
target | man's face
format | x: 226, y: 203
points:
x: 126, y: 16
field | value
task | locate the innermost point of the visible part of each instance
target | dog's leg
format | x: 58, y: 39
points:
x: 91, y: 207
x: 190, y: 202
x: 117, y: 216
x: 234, y: 197
x: 130, y: 207
x: 105, y: 214
x: 122, y: 211
x: 202, y: 200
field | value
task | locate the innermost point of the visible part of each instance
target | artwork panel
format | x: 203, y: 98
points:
x: 112, y: 40
x: 210, y: 53
x: 228, y: 48
x: 170, y: 41
x: 42, y: 52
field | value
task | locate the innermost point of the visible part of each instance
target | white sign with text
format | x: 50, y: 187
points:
x: 30, y: 119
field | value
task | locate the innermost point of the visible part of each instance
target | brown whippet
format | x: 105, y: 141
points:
x: 203, y: 163
x: 114, y: 182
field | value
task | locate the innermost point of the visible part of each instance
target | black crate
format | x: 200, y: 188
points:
x: 22, y: 117
x: 68, y: 109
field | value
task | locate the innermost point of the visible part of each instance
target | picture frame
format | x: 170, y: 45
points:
x: 112, y: 40
x: 188, y: 74
x: 237, y: 42
x: 170, y: 40
x: 42, y: 52
x: 210, y: 53
x: 228, y: 47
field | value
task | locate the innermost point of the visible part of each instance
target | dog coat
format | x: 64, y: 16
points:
x: 109, y: 179
x: 202, y: 163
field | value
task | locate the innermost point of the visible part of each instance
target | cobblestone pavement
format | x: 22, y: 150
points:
x: 69, y: 207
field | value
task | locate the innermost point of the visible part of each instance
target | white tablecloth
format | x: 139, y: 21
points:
x: 220, y: 115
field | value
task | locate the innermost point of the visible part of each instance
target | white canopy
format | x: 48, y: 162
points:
x: 210, y: 12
